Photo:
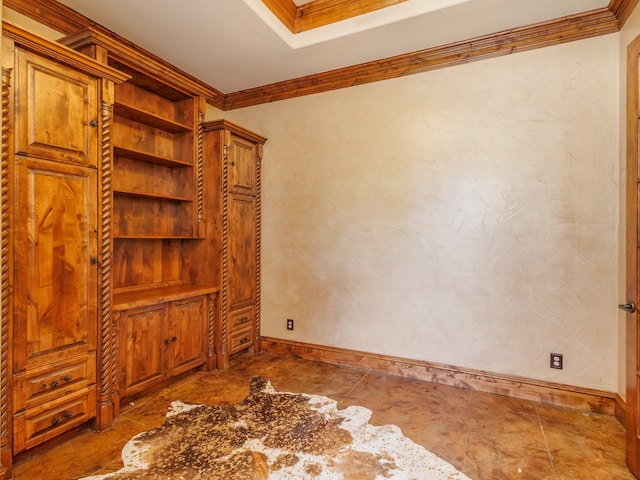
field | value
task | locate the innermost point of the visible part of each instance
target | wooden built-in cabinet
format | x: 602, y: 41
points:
x: 163, y: 286
x: 131, y: 233
x: 53, y: 119
x: 235, y: 158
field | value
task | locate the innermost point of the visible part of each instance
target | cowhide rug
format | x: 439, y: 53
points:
x: 275, y: 435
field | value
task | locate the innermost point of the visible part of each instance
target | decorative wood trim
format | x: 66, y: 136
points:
x: 554, y: 32
x: 584, y: 399
x: 622, y: 10
x: 324, y: 12
x: 106, y: 357
x: 285, y: 10
x: 52, y: 14
x: 561, y: 30
x: 319, y: 13
x: 223, y: 354
x: 141, y: 60
x: 223, y: 124
x: 257, y: 342
x: 211, y: 341
x: 61, y: 54
x: 5, y: 276
x: 200, y: 172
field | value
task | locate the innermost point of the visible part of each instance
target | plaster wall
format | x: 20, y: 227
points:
x: 467, y: 216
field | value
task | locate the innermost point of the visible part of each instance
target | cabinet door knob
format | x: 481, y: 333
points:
x: 54, y: 384
x: 55, y: 421
x: 167, y: 341
x: 174, y: 339
x: 66, y: 378
x: 94, y: 123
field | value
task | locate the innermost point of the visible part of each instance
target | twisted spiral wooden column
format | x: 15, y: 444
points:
x: 200, y: 168
x: 257, y: 343
x: 225, y: 268
x: 107, y: 374
x: 6, y: 264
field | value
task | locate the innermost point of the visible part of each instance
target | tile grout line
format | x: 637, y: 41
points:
x: 546, y: 444
x: 364, y: 375
x: 466, y: 433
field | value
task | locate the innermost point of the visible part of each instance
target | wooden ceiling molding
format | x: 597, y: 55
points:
x: 622, y: 9
x: 544, y: 34
x: 319, y: 13
x: 566, y: 29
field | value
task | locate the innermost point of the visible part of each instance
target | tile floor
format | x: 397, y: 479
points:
x: 488, y: 437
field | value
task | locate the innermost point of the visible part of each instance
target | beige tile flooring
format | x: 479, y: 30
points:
x: 488, y: 437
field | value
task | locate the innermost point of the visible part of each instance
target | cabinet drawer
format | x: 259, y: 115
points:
x: 46, y: 383
x: 240, y: 340
x: 241, y: 320
x: 41, y: 423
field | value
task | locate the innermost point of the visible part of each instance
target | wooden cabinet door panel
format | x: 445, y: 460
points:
x: 241, y: 251
x: 55, y: 278
x: 188, y: 334
x: 141, y: 347
x: 242, y: 166
x: 54, y: 111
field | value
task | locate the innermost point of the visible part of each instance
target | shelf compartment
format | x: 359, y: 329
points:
x: 141, y: 116
x: 153, y: 180
x: 144, y: 216
x: 146, y: 263
x: 154, y: 109
x: 154, y: 144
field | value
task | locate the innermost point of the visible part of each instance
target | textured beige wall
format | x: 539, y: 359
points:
x: 467, y: 216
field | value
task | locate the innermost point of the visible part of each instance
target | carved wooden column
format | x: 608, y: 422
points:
x: 5, y: 276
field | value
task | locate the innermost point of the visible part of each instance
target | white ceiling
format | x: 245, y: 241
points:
x: 237, y: 44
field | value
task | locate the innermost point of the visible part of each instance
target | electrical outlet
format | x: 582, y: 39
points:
x: 556, y: 361
x: 289, y: 323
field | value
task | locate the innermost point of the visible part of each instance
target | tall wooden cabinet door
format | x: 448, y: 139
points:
x: 188, y: 334
x: 242, y: 165
x: 55, y: 275
x: 141, y: 346
x: 56, y: 111
x: 241, y: 251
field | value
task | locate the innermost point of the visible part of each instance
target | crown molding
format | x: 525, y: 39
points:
x: 554, y: 32
x: 319, y: 13
x: 562, y: 30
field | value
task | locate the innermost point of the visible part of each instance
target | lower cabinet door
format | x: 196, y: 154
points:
x: 39, y: 424
x: 141, y: 347
x: 188, y: 334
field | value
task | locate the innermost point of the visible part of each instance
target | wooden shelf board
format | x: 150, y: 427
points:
x: 155, y: 196
x: 149, y: 157
x: 153, y: 296
x: 134, y: 113
x: 141, y: 236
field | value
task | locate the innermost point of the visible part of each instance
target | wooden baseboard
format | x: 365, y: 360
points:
x: 584, y: 399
